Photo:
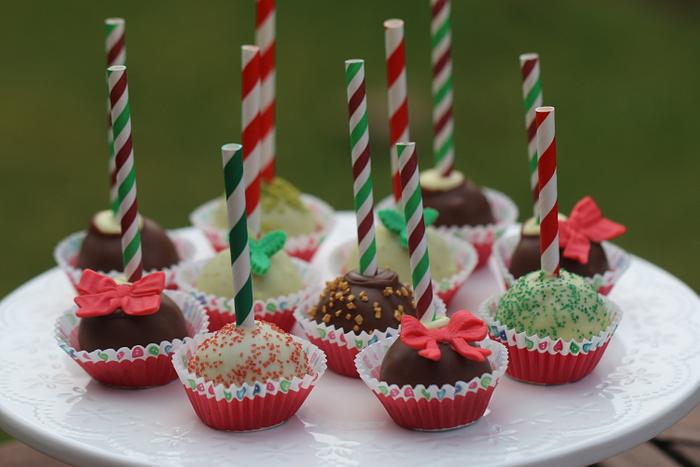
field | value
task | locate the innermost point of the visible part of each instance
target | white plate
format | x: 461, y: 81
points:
x: 648, y: 379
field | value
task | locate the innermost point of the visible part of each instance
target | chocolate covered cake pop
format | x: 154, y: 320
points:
x: 101, y: 248
x: 440, y: 352
x: 125, y: 315
x: 354, y: 302
x: 580, y: 238
x: 457, y: 199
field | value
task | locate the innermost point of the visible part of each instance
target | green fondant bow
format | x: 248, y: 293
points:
x: 394, y: 221
x: 262, y: 250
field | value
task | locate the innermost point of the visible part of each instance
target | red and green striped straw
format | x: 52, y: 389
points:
x: 132, y: 257
x: 115, y: 49
x: 232, y: 155
x: 547, y: 172
x: 361, y: 165
x: 441, y: 58
x: 412, y: 201
x: 532, y: 98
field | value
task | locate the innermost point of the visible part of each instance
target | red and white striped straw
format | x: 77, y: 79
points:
x: 398, y: 95
x: 115, y: 49
x: 547, y: 173
x: 265, y: 39
x: 250, y: 125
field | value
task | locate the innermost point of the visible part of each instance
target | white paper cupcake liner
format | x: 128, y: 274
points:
x: 300, y: 246
x: 547, y: 360
x: 464, y: 254
x: 482, y: 237
x: 66, y: 254
x: 247, y: 407
x: 222, y: 310
x: 432, y: 407
x: 618, y: 259
x: 137, y: 366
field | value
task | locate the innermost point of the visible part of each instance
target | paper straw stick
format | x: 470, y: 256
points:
x: 115, y: 49
x: 547, y: 172
x: 398, y: 95
x: 250, y: 123
x: 412, y: 201
x: 532, y: 98
x: 443, y: 125
x: 265, y: 39
x: 132, y: 257
x: 232, y: 156
x: 361, y: 165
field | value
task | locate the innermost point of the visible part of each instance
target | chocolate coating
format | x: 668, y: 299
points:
x: 359, y: 303
x: 526, y: 258
x: 464, y: 204
x: 121, y: 330
x: 102, y: 251
x: 402, y: 365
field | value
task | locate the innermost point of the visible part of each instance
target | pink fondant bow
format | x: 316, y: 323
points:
x: 585, y: 224
x: 463, y: 328
x: 100, y: 295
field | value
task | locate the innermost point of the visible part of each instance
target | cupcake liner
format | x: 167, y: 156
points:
x: 340, y: 346
x: 432, y: 408
x: 131, y: 367
x: 302, y: 246
x: 537, y: 360
x: 481, y: 237
x: 618, y: 259
x: 277, y: 310
x: 66, y: 255
x: 249, y: 407
x: 463, y: 252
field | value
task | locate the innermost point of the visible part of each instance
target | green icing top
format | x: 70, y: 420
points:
x: 280, y: 190
x: 565, y: 307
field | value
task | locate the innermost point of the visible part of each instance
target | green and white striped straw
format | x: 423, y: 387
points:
x: 361, y: 165
x: 232, y: 156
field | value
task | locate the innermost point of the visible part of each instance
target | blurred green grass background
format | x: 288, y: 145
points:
x: 624, y: 76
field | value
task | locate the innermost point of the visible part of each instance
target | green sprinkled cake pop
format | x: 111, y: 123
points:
x: 565, y: 307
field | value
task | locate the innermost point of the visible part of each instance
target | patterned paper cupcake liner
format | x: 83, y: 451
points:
x: 432, y: 408
x: 66, y: 255
x: 481, y: 237
x: 249, y: 407
x: 277, y: 310
x: 464, y: 254
x: 131, y: 367
x: 340, y: 346
x: 537, y: 360
x: 303, y: 247
x: 618, y: 259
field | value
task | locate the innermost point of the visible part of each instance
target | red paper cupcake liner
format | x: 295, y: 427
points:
x: 432, y: 408
x: 341, y: 359
x: 435, y: 414
x: 132, y: 373
x: 249, y: 407
x: 259, y: 413
x: 544, y: 368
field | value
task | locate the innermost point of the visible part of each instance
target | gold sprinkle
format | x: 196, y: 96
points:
x: 312, y: 311
x: 351, y: 297
x: 337, y: 313
x: 388, y: 291
x: 363, y: 296
x: 356, y: 328
x: 359, y: 319
x: 327, y: 318
x: 377, y: 314
x: 404, y: 291
x: 348, y: 316
x: 350, y: 306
